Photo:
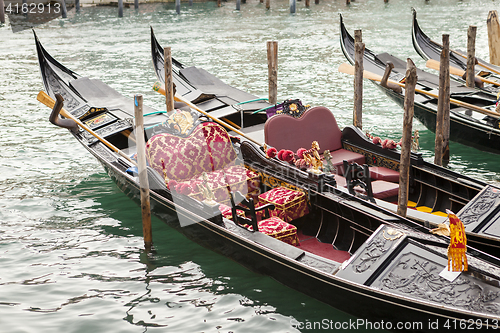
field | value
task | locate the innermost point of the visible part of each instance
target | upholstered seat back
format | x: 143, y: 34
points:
x: 208, y: 148
x: 316, y: 124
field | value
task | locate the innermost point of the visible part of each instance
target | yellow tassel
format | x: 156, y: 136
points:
x: 458, y: 260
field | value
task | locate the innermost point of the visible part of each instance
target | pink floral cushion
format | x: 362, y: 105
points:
x: 233, y: 178
x: 227, y: 212
x: 290, y: 204
x: 279, y: 229
x: 207, y: 149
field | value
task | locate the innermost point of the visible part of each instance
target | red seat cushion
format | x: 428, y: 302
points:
x: 290, y: 204
x: 279, y: 229
x: 227, y: 212
x: 381, y: 189
x: 206, y: 149
x: 234, y: 178
x: 340, y: 155
x: 382, y: 173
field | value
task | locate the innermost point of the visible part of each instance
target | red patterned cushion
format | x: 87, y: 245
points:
x: 233, y: 178
x: 207, y: 149
x: 290, y: 204
x: 227, y: 212
x: 279, y: 229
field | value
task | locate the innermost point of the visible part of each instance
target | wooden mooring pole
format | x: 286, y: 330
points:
x: 272, y: 66
x: 307, y: 3
x: 219, y: 3
x: 359, y: 50
x: 77, y: 6
x: 2, y: 12
x: 64, y: 12
x: 293, y: 6
x: 238, y: 4
x: 404, y: 166
x: 471, y: 56
x: 268, y: 4
x: 120, y: 8
x: 442, y: 143
x: 494, y: 37
x: 136, y: 4
x: 143, y: 172
x: 178, y: 6
x: 169, y: 82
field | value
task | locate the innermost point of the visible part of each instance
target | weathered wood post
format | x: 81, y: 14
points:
x: 64, y: 12
x: 77, y: 6
x: 178, y: 6
x: 272, y: 66
x: 238, y: 4
x: 307, y: 3
x: 471, y: 56
x: 268, y: 4
x: 136, y: 4
x: 293, y: 6
x: 120, y: 8
x: 493, y: 37
x: 316, y: 2
x: 2, y: 12
x: 347, y: 2
x: 404, y: 166
x: 359, y: 50
x: 169, y: 82
x: 219, y: 3
x: 143, y: 172
x: 442, y: 143
x: 190, y: 2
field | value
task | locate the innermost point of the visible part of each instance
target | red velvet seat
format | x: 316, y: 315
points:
x: 316, y: 124
x: 381, y: 189
x: 382, y: 173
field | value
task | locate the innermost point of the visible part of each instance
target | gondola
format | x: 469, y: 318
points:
x: 429, y: 49
x: 209, y: 92
x: 317, y: 239
x: 433, y: 188
x: 471, y: 127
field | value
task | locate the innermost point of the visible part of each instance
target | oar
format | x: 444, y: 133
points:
x: 48, y: 101
x: 491, y: 69
x: 434, y: 64
x: 348, y: 69
x: 157, y: 87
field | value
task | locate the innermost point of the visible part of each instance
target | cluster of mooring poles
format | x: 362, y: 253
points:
x: 293, y: 6
x: 442, y: 151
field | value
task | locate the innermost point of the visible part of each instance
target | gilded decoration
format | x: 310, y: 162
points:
x: 274, y: 182
x: 374, y: 159
x: 183, y: 121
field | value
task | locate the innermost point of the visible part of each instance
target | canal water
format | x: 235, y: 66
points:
x: 71, y: 257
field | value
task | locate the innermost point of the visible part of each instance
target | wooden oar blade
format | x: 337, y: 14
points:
x: 434, y: 64
x: 349, y: 69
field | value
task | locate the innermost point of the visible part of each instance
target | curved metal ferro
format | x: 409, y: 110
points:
x: 388, y: 69
x: 56, y: 120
